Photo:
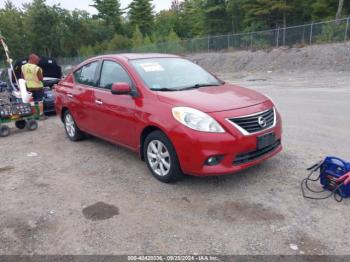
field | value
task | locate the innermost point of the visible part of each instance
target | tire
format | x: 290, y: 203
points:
x: 4, y: 131
x: 32, y: 125
x: 21, y: 124
x: 72, y: 130
x: 161, y: 158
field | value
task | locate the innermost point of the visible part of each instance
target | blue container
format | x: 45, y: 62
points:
x: 332, y: 169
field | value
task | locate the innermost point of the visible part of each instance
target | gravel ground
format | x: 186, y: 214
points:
x: 327, y: 57
x: 92, y: 197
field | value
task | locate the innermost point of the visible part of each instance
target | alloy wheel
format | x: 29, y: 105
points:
x: 70, y: 125
x: 159, y: 158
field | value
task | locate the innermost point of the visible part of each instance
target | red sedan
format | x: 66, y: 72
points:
x: 178, y: 117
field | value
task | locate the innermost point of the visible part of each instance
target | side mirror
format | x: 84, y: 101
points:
x: 121, y: 89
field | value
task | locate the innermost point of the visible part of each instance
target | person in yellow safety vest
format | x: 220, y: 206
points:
x: 33, y: 75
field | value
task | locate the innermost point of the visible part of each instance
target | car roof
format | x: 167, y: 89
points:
x: 134, y: 56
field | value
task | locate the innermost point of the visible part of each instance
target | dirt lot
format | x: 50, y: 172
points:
x: 59, y: 197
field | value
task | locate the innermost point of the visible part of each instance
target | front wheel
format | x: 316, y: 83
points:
x: 161, y: 158
x: 4, y: 131
x: 72, y: 130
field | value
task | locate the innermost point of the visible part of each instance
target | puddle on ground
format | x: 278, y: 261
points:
x: 6, y: 168
x: 232, y: 211
x: 100, y: 211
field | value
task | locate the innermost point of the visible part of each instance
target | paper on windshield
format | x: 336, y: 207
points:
x: 152, y: 67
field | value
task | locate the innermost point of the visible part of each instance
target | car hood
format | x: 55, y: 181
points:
x: 214, y: 99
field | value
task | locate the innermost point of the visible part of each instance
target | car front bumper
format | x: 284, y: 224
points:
x: 236, y: 150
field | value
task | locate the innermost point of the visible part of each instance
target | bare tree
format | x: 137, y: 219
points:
x: 340, y: 9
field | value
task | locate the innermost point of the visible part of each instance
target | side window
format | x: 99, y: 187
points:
x: 86, y: 74
x: 112, y: 73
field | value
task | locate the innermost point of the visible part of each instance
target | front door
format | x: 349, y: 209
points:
x: 114, y: 114
x: 81, y: 96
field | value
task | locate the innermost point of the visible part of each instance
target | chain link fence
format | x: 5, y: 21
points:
x: 334, y: 31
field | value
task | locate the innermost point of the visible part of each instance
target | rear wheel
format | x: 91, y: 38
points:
x: 161, y: 158
x: 32, y: 125
x: 21, y: 124
x: 4, y: 131
x: 72, y: 130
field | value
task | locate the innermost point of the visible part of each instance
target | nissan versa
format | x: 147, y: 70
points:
x: 179, y: 118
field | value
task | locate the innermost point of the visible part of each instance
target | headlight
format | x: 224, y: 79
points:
x: 196, y: 120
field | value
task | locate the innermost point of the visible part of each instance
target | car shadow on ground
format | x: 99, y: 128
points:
x: 252, y: 174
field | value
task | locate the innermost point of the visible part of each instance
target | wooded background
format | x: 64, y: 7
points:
x: 55, y: 31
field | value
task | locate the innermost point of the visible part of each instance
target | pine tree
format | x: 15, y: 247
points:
x: 173, y: 43
x: 215, y: 16
x: 264, y: 14
x: 190, y: 21
x: 234, y: 15
x: 141, y: 15
x: 165, y: 21
x: 324, y: 9
x: 172, y: 37
x: 109, y: 11
x: 137, y: 38
x: 119, y: 42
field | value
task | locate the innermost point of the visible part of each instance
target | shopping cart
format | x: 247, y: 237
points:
x: 23, y: 115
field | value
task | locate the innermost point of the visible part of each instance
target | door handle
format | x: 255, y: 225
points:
x: 70, y: 95
x: 99, y: 102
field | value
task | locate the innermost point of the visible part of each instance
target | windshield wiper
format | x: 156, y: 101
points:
x: 196, y: 86
x: 164, y: 89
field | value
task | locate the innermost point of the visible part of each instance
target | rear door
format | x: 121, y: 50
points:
x: 81, y: 96
x: 114, y: 114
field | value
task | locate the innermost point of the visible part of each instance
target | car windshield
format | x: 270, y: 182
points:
x: 173, y: 74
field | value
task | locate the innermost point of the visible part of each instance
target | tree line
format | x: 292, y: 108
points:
x: 55, y: 31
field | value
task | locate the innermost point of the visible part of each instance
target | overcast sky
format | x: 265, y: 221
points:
x: 84, y: 4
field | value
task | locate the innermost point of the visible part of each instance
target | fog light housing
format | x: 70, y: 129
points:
x: 213, y: 161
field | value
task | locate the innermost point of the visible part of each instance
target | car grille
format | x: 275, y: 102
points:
x: 248, y: 157
x: 256, y: 123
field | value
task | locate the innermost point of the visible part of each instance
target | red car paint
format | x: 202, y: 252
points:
x: 125, y: 119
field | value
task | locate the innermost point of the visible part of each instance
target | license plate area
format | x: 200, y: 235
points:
x: 266, y: 140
